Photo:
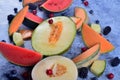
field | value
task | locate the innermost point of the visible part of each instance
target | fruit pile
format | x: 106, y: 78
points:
x: 54, y: 36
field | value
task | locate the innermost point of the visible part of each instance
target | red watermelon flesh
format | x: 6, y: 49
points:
x: 19, y: 55
x: 33, y: 17
x: 56, y: 5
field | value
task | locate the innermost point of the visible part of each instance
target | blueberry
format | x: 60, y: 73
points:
x: 115, y: 62
x: 10, y: 18
x: 91, y: 11
x: 32, y: 6
x: 11, y: 77
x: 94, y: 78
x: 3, y: 41
x: 106, y: 30
x: 20, y: 0
x: 83, y: 72
x: 15, y: 10
x: 97, y: 21
x: 13, y: 72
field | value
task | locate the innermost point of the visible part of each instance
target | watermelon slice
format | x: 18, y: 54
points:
x: 19, y: 55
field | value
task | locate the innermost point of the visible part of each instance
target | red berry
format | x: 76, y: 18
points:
x: 51, y: 15
x: 34, y: 12
x: 84, y: 49
x: 86, y: 3
x: 50, y: 21
x: 49, y: 72
x: 110, y: 76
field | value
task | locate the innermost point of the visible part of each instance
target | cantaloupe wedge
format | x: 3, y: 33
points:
x: 17, y: 21
x: 90, y: 38
x: 77, y: 21
x: 81, y: 13
x: 87, y: 57
x: 25, y: 2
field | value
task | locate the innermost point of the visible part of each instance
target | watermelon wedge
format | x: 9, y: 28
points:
x: 19, y: 55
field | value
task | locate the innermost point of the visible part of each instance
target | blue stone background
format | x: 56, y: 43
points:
x: 106, y: 11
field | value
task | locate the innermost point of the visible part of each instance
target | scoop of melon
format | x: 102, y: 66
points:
x: 56, y: 38
x: 62, y: 69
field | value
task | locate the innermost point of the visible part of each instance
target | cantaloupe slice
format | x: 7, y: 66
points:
x: 25, y: 2
x: 90, y: 38
x: 17, y: 21
x: 77, y: 21
x: 81, y: 13
x: 86, y: 58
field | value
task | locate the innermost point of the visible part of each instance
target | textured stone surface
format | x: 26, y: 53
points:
x: 106, y: 11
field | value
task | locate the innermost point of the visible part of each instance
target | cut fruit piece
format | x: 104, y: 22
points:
x: 26, y: 2
x: 62, y: 69
x: 87, y: 57
x: 56, y: 5
x: 17, y: 39
x: 26, y: 34
x: 90, y: 38
x: 96, y: 27
x: 81, y: 13
x: 77, y: 21
x: 56, y: 38
x: 17, y: 20
x: 98, y: 67
x: 19, y: 55
x: 31, y: 20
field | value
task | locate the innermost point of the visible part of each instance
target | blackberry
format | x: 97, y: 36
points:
x: 115, y: 62
x: 94, y: 78
x: 106, y: 30
x: 83, y: 72
x: 15, y: 10
x: 20, y: 0
x: 10, y: 18
x: 32, y: 6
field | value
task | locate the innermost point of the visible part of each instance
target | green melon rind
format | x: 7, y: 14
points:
x: 89, y: 59
x: 65, y: 50
x: 88, y: 46
x: 29, y: 23
x: 98, y: 75
x: 57, y: 11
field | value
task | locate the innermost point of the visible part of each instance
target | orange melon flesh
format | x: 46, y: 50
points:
x: 81, y: 13
x: 19, y: 55
x: 77, y: 21
x: 25, y: 2
x: 90, y: 38
x: 17, y: 21
x: 33, y: 17
x: 87, y: 53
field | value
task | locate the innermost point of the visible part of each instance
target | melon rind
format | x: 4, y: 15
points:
x: 58, y: 2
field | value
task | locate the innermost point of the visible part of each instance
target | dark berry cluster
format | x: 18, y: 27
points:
x: 83, y: 72
x: 115, y: 62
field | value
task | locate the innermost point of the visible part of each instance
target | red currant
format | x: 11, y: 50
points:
x: 50, y: 21
x: 49, y: 72
x: 34, y: 12
x: 86, y: 3
x: 84, y: 49
x: 110, y: 76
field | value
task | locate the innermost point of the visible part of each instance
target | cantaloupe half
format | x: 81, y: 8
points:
x: 90, y: 38
x: 82, y: 14
x: 25, y: 2
x: 17, y: 21
x: 86, y: 58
